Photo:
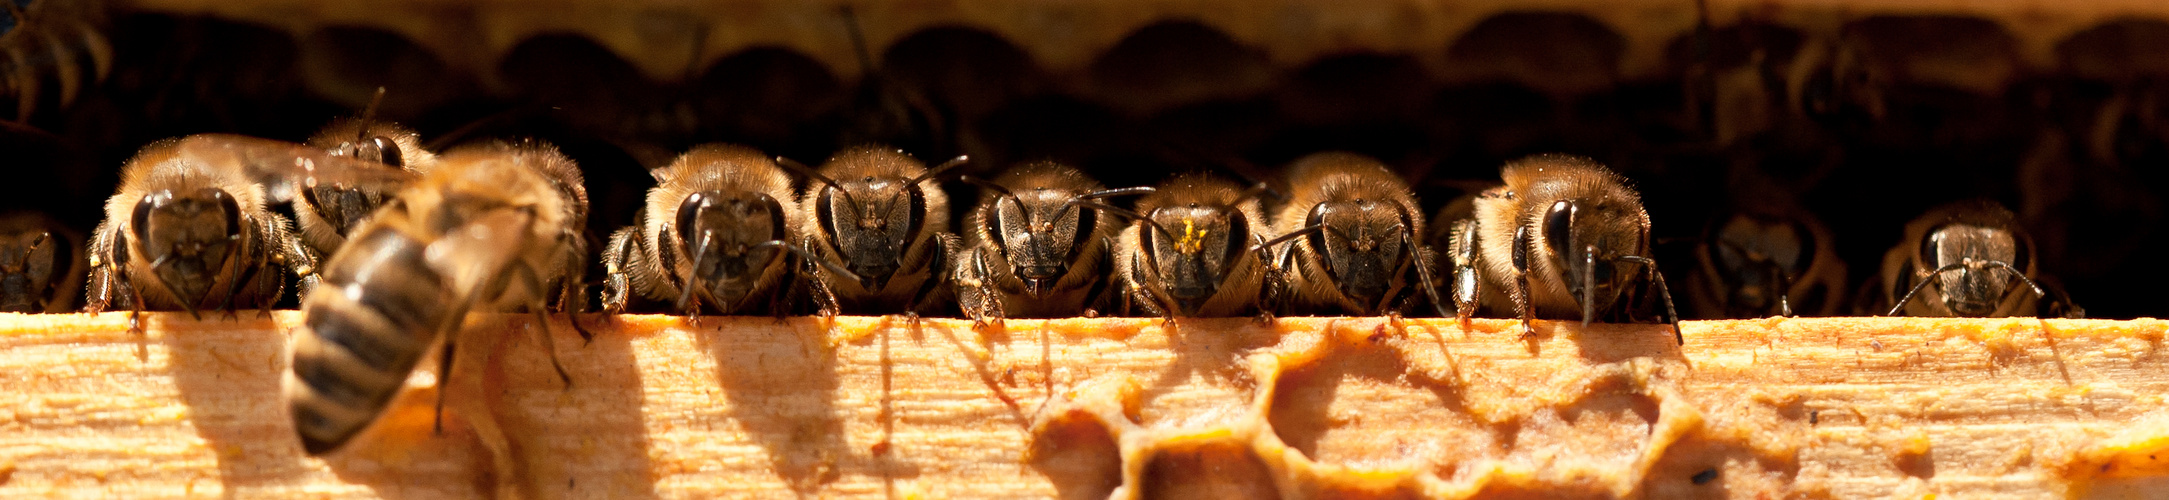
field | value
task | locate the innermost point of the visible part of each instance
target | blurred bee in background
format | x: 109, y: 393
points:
x: 1211, y: 267
x: 719, y: 228
x: 1564, y: 237
x: 1758, y: 264
x: 884, y: 110
x: 496, y: 227
x: 1964, y: 259
x: 51, y: 38
x: 869, y: 213
x: 41, y: 264
x: 188, y: 228
x: 1354, y: 225
x: 1037, y: 246
x: 327, y: 213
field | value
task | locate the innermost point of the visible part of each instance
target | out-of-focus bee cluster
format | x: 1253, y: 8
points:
x: 1906, y: 165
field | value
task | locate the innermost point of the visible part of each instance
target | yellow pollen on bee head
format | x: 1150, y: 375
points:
x: 1193, y: 239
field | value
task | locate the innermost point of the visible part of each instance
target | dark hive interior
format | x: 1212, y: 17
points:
x: 1867, y: 124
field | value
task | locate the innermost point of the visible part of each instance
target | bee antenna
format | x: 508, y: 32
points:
x: 1110, y: 193
x: 803, y: 253
x: 1900, y: 305
x: 946, y: 166
x: 1124, y: 213
x: 369, y: 115
x: 686, y: 295
x: 2037, y: 292
x: 988, y: 185
x: 802, y: 169
x: 858, y: 39
x: 1256, y: 191
x: 1291, y: 236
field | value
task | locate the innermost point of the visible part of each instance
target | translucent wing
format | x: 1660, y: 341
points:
x: 285, y: 168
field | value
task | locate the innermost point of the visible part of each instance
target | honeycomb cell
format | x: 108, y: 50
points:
x: 1206, y: 468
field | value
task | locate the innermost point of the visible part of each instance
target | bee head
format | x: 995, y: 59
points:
x: 726, y: 240
x: 29, y: 262
x: 188, y: 237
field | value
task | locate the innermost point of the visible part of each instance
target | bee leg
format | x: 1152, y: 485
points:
x: 617, y: 284
x: 572, y: 301
x: 542, y: 323
x: 1671, y: 314
x: 444, y: 372
x: 974, y: 297
x: 1425, y: 258
x: 1521, y: 282
x: 779, y: 303
x: 824, y: 296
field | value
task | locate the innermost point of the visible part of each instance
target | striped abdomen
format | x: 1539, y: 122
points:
x: 379, y: 309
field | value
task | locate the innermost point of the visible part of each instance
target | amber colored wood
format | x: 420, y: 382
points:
x: 1306, y: 407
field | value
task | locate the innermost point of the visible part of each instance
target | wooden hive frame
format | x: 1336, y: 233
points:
x: 1305, y: 407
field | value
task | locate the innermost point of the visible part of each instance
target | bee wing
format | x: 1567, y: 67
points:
x: 285, y: 168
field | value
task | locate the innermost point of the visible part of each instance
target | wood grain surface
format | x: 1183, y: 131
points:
x: 1087, y: 408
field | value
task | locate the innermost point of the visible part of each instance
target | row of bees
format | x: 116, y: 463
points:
x: 396, y: 245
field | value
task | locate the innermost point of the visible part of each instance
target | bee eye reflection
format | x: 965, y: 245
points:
x: 1559, y: 228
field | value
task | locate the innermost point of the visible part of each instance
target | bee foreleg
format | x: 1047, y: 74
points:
x: 542, y: 321
x: 973, y: 295
x: 572, y: 300
x: 444, y: 372
x: 290, y: 251
x: 617, y: 286
x: 105, y: 271
x: 824, y: 296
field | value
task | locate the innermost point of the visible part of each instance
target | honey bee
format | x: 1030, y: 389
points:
x: 41, y: 264
x: 1759, y: 263
x: 1211, y: 266
x: 495, y: 227
x: 188, y: 228
x: 1564, y: 237
x: 716, y: 230
x: 328, y: 213
x: 869, y: 215
x: 1963, y: 259
x: 1354, y: 225
x: 1037, y: 246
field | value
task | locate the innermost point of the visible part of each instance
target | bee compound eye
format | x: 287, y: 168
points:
x: 1559, y: 227
x: 388, y: 151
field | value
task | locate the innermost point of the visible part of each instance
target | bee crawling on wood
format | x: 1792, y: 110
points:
x: 1563, y: 238
x: 868, y: 211
x: 1355, y: 229
x: 188, y: 228
x: 720, y: 228
x: 1194, y: 250
x: 1036, y: 246
x: 496, y: 227
x: 41, y: 264
x: 1965, y: 259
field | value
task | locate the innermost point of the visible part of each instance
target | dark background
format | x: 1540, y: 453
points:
x: 2078, y: 152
